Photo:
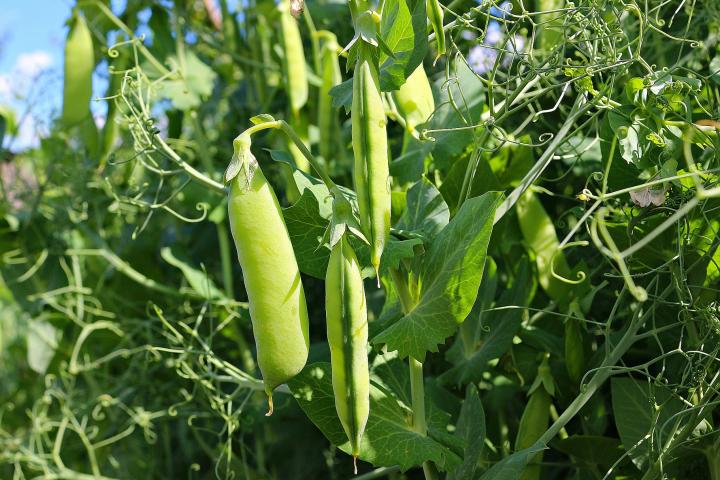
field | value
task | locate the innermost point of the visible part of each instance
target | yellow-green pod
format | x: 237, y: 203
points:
x: 347, y: 331
x: 435, y: 16
x: 79, y: 66
x: 539, y: 233
x: 371, y: 170
x: 270, y: 272
x: 296, y: 82
x: 328, y: 126
x: 415, y: 100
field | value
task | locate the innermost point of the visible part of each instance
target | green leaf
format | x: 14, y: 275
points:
x: 198, y: 279
x: 642, y: 409
x: 403, y: 29
x: 306, y: 221
x: 389, y: 438
x: 42, y: 341
x: 191, y: 86
x: 483, y: 181
x: 497, y: 332
x: 426, y: 211
x: 398, y: 250
x: 471, y: 428
x: 450, y: 277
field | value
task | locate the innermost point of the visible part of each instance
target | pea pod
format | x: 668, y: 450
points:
x: 79, y: 66
x: 535, y: 419
x: 574, y: 347
x: 77, y: 88
x: 328, y: 127
x: 270, y: 271
x: 539, y: 233
x: 296, y: 82
x: 435, y: 16
x: 369, y: 140
x: 347, y: 331
x: 414, y: 100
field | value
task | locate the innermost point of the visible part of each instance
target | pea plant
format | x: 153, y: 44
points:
x: 404, y: 239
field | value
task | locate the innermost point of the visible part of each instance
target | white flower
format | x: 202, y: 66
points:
x: 481, y: 59
x: 494, y: 34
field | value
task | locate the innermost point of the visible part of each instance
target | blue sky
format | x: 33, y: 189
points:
x: 32, y: 34
x: 27, y: 26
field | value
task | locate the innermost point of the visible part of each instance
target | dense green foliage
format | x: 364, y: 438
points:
x: 547, y: 300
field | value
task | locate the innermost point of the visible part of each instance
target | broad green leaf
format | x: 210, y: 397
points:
x: 471, y: 428
x: 497, y: 331
x: 483, y: 181
x: 389, y: 439
x: 403, y: 28
x: 42, y: 341
x: 426, y: 211
x: 192, y: 84
x: 642, y: 409
x: 398, y: 250
x: 449, y: 277
x: 409, y: 167
x: 307, y: 220
x: 198, y: 279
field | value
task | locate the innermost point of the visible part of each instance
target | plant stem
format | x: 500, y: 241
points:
x: 189, y: 169
x: 290, y: 132
x: 603, y: 372
x: 417, y: 387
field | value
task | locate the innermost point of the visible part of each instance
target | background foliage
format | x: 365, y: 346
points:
x: 564, y: 193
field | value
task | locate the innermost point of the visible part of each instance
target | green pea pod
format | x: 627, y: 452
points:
x: 371, y: 170
x: 347, y: 331
x: 328, y: 126
x: 296, y: 81
x: 535, y: 419
x: 539, y: 233
x: 574, y: 347
x: 270, y: 271
x: 79, y: 66
x: 435, y: 16
x: 415, y: 100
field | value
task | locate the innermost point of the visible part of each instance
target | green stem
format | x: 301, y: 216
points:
x: 189, y: 169
x: 417, y: 387
x: 290, y: 132
x: 603, y: 372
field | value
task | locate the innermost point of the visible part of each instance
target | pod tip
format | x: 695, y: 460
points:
x: 355, y: 457
x: 270, y: 406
